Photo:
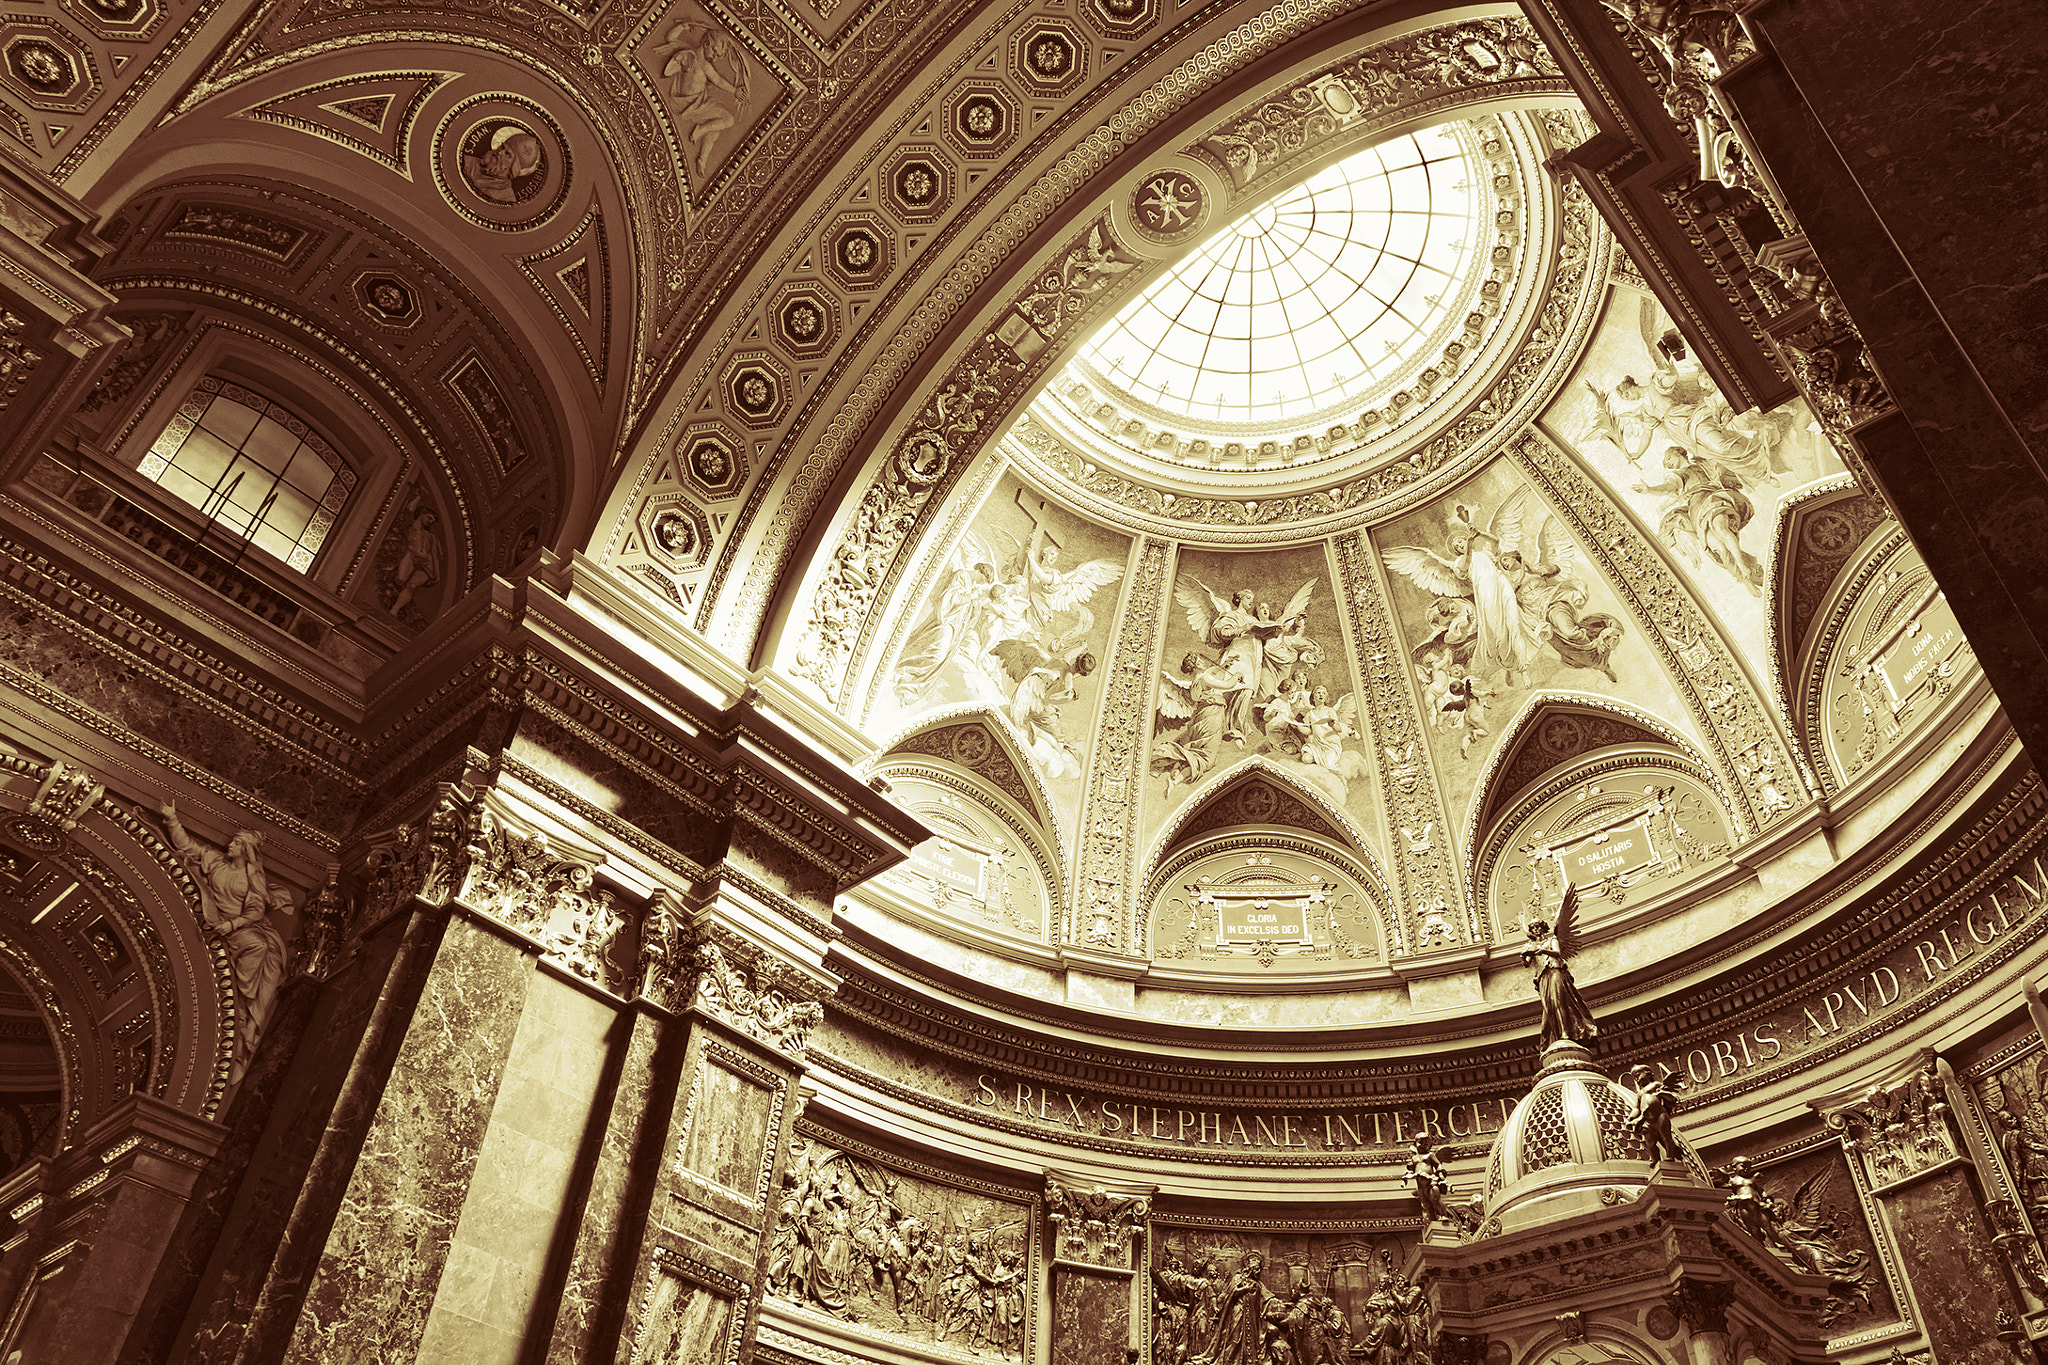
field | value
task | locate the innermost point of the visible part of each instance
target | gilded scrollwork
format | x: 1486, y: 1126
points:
x: 771, y: 1003
x: 1898, y: 1128
x: 1105, y: 904
x: 61, y: 800
x: 1424, y: 875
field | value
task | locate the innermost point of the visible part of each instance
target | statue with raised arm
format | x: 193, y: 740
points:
x: 236, y: 900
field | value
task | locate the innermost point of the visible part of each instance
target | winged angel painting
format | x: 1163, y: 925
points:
x: 1506, y: 600
x: 1013, y: 626
x: 1255, y: 684
x: 1705, y: 480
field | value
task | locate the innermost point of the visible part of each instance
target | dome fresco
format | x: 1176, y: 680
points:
x: 1564, y: 646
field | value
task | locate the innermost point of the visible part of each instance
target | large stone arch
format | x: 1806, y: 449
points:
x: 109, y: 873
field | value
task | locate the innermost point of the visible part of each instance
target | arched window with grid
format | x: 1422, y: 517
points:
x: 254, y: 467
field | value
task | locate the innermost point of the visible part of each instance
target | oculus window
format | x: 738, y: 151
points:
x: 1313, y: 301
x: 254, y: 467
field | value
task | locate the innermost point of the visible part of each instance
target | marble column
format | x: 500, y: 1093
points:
x: 1878, y: 126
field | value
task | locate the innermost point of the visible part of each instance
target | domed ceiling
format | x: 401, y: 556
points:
x: 1383, y: 563
x: 1281, y: 541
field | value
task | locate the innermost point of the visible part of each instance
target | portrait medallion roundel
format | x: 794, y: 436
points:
x: 501, y: 162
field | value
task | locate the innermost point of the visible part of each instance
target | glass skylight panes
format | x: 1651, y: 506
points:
x: 1310, y: 300
x: 254, y: 468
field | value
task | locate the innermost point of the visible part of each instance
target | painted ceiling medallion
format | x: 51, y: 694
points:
x: 501, y: 161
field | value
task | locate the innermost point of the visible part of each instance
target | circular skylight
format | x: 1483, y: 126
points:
x: 1312, y: 301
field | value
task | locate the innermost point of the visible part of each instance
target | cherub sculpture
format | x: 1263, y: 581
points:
x: 1650, y: 1112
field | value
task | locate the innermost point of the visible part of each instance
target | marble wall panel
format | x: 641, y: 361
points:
x: 1091, y: 1316
x: 386, y: 1253
x: 728, y: 1132
x: 684, y: 1324
x: 248, y: 1252
x: 1956, y: 1274
x: 518, y: 1203
x: 621, y: 1182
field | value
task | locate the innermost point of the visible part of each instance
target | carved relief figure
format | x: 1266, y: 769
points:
x: 706, y: 79
x: 236, y: 900
x: 900, y: 1255
x: 419, y: 563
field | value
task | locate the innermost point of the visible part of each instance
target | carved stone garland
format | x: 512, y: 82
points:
x: 1754, y: 763
x: 1105, y: 901
x: 1430, y: 893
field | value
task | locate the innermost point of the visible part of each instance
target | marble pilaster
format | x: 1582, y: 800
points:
x: 1969, y: 487
x: 390, y: 1241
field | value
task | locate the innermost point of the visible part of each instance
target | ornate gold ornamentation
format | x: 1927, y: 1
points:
x: 63, y: 799
x: 771, y: 1006
x: 1093, y: 1226
x: 1424, y: 881
x: 1898, y: 1129
x: 1109, y: 811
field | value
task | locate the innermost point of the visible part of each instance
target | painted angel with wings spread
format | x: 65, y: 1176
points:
x: 1679, y: 402
x: 1475, y: 570
x: 1252, y: 640
x: 988, y: 597
x: 1566, y: 1016
x: 1193, y: 705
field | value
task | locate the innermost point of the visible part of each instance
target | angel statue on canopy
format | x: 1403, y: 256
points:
x: 1566, y: 1016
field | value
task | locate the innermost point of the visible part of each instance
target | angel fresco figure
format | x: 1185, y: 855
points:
x: 1242, y: 629
x: 1197, y: 702
x: 1566, y: 1016
x: 1488, y: 567
x: 1042, y: 682
x: 707, y: 85
x: 1682, y: 406
x: 1012, y: 626
x: 1324, y: 727
x: 1706, y: 512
